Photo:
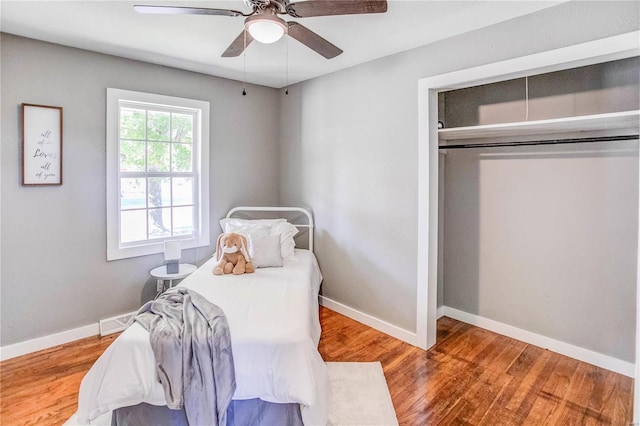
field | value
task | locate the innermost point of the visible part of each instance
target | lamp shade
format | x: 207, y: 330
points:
x: 172, y: 250
x: 266, y: 28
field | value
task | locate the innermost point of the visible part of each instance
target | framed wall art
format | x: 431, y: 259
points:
x: 41, y: 145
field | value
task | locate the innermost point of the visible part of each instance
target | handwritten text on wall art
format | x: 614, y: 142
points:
x: 41, y: 145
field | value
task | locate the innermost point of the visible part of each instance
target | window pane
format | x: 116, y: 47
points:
x: 182, y: 191
x: 157, y: 157
x: 133, y: 194
x: 132, y: 123
x: 158, y: 126
x: 183, y: 220
x: 159, y: 223
x: 181, y: 157
x: 133, y: 226
x: 182, y: 126
x: 159, y: 192
x: 157, y: 147
x: 132, y: 156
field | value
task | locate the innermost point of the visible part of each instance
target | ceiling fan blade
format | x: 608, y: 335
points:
x: 309, y: 8
x: 179, y: 10
x: 238, y: 45
x: 313, y: 41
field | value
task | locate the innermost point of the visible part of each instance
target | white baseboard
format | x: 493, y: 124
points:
x: 373, y: 322
x: 576, y: 352
x: 40, y: 343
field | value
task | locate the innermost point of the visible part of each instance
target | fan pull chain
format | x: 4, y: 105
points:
x: 526, y: 82
x: 286, y: 92
x: 244, y: 66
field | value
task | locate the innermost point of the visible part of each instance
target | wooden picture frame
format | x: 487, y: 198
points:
x: 41, y: 145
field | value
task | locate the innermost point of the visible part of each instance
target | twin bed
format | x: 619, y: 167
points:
x: 273, y: 321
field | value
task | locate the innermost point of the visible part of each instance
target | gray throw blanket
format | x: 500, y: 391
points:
x: 192, y: 346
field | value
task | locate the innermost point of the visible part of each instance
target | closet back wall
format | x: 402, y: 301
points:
x: 595, y: 89
x: 545, y: 238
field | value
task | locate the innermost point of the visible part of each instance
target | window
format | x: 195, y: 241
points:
x: 157, y: 172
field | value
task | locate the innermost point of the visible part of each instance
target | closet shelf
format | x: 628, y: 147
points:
x: 611, y: 121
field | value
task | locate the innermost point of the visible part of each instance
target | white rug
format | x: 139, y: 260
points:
x: 360, y: 395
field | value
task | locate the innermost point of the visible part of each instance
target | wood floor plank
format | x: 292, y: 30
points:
x: 552, y: 397
x: 470, y: 377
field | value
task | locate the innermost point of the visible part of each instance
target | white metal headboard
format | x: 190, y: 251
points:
x: 266, y: 209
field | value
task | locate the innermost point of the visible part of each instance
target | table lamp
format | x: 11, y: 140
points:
x: 172, y: 254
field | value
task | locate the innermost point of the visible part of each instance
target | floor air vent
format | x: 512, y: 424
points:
x: 115, y: 324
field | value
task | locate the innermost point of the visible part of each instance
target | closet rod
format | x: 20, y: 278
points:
x: 541, y: 142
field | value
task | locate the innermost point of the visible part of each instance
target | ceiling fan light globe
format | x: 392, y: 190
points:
x: 265, y: 31
x: 266, y: 28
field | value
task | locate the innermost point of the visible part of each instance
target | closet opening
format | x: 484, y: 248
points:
x: 536, y: 199
x: 539, y: 217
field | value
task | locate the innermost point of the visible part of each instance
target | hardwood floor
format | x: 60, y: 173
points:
x: 471, y: 377
x: 42, y: 388
x: 475, y: 377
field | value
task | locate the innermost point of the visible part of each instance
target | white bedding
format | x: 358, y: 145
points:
x: 273, y: 319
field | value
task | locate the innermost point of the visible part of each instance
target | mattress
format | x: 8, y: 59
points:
x: 275, y: 330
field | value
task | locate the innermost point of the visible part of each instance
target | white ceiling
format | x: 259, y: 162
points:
x: 196, y: 42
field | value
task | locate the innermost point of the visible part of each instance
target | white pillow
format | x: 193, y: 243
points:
x: 247, y: 229
x: 286, y: 231
x: 251, y: 222
x: 281, y: 227
x: 265, y: 250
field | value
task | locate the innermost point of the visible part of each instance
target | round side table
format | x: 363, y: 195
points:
x: 161, y: 275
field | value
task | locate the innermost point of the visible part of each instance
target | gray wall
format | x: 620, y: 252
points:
x: 55, y: 275
x: 349, y: 149
x: 545, y: 239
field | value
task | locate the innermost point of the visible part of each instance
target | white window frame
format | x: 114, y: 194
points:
x: 116, y: 249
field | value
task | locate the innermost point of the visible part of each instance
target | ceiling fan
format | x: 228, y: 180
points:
x: 265, y: 26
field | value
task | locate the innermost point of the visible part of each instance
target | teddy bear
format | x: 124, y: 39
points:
x: 232, y: 255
